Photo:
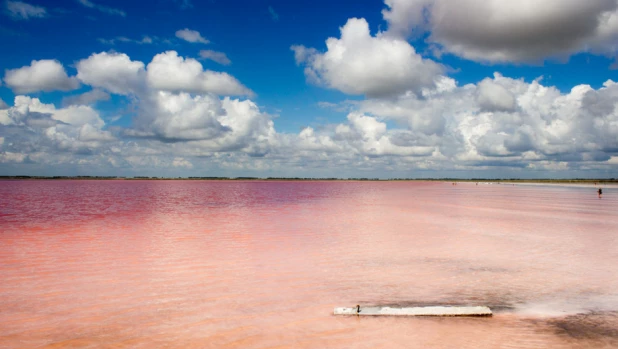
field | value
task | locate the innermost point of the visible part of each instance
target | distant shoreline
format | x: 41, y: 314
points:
x: 582, y: 184
x: 472, y: 180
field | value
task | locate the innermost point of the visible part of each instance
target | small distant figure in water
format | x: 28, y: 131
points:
x: 600, y: 192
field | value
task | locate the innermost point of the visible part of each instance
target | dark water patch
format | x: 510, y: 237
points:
x: 596, y: 326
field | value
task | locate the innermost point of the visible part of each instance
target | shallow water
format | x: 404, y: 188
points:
x: 234, y: 264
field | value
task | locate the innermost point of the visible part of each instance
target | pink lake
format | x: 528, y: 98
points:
x: 262, y: 264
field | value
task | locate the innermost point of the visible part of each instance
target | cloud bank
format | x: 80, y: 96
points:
x: 498, y: 124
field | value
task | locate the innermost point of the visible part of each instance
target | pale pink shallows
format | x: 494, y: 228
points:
x: 262, y: 264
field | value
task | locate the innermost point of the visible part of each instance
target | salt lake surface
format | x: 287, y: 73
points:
x: 251, y: 264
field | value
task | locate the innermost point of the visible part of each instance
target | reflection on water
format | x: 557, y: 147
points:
x: 233, y: 264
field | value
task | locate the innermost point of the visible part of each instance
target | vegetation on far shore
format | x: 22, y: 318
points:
x: 504, y: 180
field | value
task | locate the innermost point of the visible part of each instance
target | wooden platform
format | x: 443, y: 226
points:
x: 415, y: 311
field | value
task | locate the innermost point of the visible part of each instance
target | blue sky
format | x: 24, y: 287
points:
x: 257, y: 44
x: 415, y: 96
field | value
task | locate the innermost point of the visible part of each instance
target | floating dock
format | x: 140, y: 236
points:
x: 415, y: 311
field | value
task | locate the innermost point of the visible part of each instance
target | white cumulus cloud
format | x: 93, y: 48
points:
x: 210, y: 123
x: 43, y: 132
x: 117, y: 73
x: 494, y: 97
x: 181, y: 117
x: 359, y: 63
x: 44, y: 75
x: 25, y: 108
x: 114, y: 72
x: 170, y: 72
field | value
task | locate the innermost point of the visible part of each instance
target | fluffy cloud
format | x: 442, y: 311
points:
x: 405, y: 16
x: 212, y: 124
x: 192, y: 36
x: 26, y: 109
x: 114, y: 72
x: 215, y: 56
x: 494, y: 97
x: 363, y: 140
x: 359, y: 63
x: 370, y: 137
x: 181, y: 117
x: 43, y: 75
x: 425, y: 114
x: 252, y: 130
x: 169, y: 72
x: 171, y: 130
x: 22, y: 10
x: 117, y: 73
x: 40, y: 132
x: 521, y: 31
x: 78, y: 116
x: 3, y: 104
x: 522, y: 127
x: 517, y: 122
x: 90, y: 133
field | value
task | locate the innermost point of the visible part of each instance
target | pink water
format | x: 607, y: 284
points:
x: 233, y: 264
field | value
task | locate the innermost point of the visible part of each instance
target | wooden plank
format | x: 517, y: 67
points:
x: 415, y: 311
